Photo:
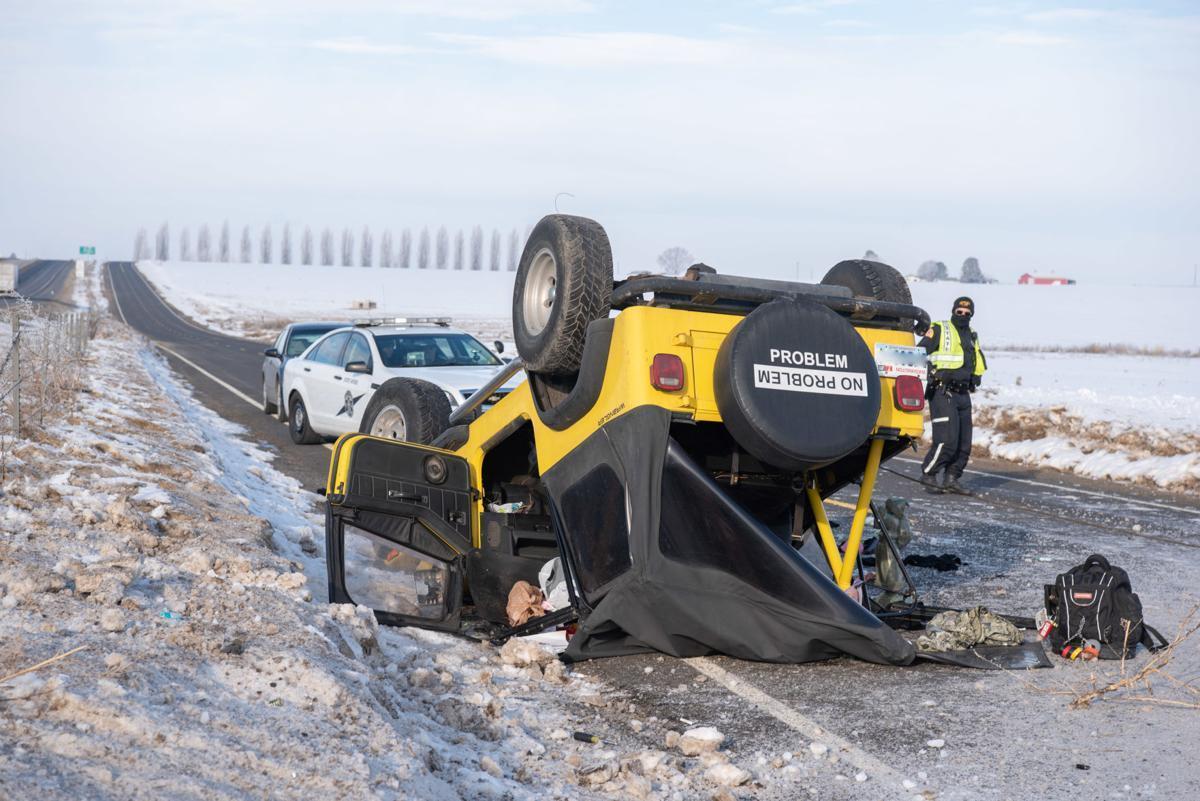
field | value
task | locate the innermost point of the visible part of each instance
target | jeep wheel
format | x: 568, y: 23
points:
x: 407, y: 409
x: 564, y: 282
x: 298, y: 426
x: 870, y: 279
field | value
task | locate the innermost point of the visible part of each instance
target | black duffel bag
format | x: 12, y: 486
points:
x: 1096, y: 602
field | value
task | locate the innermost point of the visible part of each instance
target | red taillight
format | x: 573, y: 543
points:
x: 909, y: 393
x: 666, y: 372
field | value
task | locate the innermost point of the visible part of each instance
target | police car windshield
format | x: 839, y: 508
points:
x: 433, y: 350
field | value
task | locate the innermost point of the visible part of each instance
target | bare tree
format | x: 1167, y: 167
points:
x: 223, y: 251
x: 347, y: 248
x: 285, y: 245
x: 141, y: 247
x: 385, y: 250
x: 185, y: 245
x: 494, y: 263
x: 306, y: 246
x: 203, y: 244
x: 327, y: 247
x: 246, y: 251
x: 162, y: 243
x: 458, y: 250
x: 423, y: 250
x: 266, y: 248
x: 870, y: 255
x: 403, y: 258
x: 932, y: 271
x: 971, y: 272
x: 674, y: 261
x: 514, y: 251
x: 366, y: 247
x: 477, y: 248
x: 441, y: 248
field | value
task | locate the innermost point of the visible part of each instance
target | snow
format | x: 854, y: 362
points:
x: 1079, y: 316
x: 250, y: 298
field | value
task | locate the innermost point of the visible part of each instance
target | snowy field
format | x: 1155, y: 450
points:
x: 1099, y: 380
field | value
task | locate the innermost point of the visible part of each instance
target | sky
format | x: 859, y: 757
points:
x: 767, y: 138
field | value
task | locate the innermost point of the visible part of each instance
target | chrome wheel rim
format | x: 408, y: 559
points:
x: 540, y: 291
x: 298, y: 416
x: 390, y: 424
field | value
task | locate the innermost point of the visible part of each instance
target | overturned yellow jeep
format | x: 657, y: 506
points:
x: 672, y: 446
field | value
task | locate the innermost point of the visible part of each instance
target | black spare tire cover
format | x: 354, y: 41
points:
x: 796, y: 385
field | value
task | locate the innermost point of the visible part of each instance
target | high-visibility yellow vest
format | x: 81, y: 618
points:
x: 949, y: 355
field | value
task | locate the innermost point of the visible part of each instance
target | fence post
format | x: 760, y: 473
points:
x: 16, y: 363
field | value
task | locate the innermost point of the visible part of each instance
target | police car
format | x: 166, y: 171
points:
x: 387, y: 377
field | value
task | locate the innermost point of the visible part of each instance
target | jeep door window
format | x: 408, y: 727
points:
x: 390, y: 577
x: 357, y: 351
x: 433, y: 350
x: 330, y: 351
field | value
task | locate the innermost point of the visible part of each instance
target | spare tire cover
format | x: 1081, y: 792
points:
x: 796, y: 385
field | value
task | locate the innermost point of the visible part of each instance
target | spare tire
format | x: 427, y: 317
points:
x: 873, y: 280
x: 796, y: 385
x: 407, y: 409
x: 564, y: 282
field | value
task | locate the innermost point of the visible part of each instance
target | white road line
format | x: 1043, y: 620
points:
x: 847, y: 751
x: 1066, y: 488
x: 113, y: 288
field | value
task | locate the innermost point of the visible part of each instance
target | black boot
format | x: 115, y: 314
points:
x: 930, y: 482
x: 952, y: 485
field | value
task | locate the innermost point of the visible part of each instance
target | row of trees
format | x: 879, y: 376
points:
x: 439, y: 251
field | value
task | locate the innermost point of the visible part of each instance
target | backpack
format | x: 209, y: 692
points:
x: 1093, y: 601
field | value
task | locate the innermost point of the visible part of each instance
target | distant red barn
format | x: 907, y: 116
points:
x: 1045, y: 280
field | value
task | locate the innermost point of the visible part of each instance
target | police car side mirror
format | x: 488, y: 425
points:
x: 271, y: 353
x: 499, y: 346
x: 357, y: 367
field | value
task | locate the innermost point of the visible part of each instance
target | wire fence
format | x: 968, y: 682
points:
x: 41, y: 369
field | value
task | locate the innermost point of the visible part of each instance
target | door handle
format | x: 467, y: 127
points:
x: 308, y: 369
x: 337, y: 378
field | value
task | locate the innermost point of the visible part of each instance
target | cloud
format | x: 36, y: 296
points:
x: 811, y: 7
x: 595, y: 49
x: 1031, y: 39
x: 489, y: 10
x: 357, y: 45
x: 1070, y: 15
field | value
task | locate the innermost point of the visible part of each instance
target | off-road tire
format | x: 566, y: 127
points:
x: 267, y: 406
x: 298, y: 428
x: 424, y: 407
x: 870, y: 279
x: 581, y: 291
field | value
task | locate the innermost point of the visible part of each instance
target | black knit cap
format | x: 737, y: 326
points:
x: 964, y: 303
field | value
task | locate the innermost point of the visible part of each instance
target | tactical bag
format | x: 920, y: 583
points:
x: 1095, y: 601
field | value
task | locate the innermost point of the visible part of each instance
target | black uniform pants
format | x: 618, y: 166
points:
x: 950, y: 417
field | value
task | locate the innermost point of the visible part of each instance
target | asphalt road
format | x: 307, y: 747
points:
x: 1002, y: 735
x: 224, y: 371
x: 45, y: 283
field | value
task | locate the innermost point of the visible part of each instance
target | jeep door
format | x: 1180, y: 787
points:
x: 397, y: 530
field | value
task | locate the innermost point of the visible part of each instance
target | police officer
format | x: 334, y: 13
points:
x: 956, y: 369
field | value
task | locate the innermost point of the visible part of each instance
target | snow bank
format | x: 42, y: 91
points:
x: 251, y: 298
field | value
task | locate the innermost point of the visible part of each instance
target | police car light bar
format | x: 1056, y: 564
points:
x: 369, y: 321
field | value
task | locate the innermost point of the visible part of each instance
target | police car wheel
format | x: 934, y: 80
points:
x: 407, y: 409
x: 298, y: 427
x: 267, y: 406
x: 873, y: 280
x: 564, y: 282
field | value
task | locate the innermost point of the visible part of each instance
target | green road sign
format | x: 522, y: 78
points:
x: 87, y: 250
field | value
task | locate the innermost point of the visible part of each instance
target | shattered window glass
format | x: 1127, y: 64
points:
x: 389, y: 577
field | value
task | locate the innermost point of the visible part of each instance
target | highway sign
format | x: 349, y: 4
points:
x: 87, y: 250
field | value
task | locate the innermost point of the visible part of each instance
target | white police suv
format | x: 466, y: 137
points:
x: 389, y: 377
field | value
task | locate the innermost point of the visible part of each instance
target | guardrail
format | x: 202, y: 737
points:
x: 41, y: 356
